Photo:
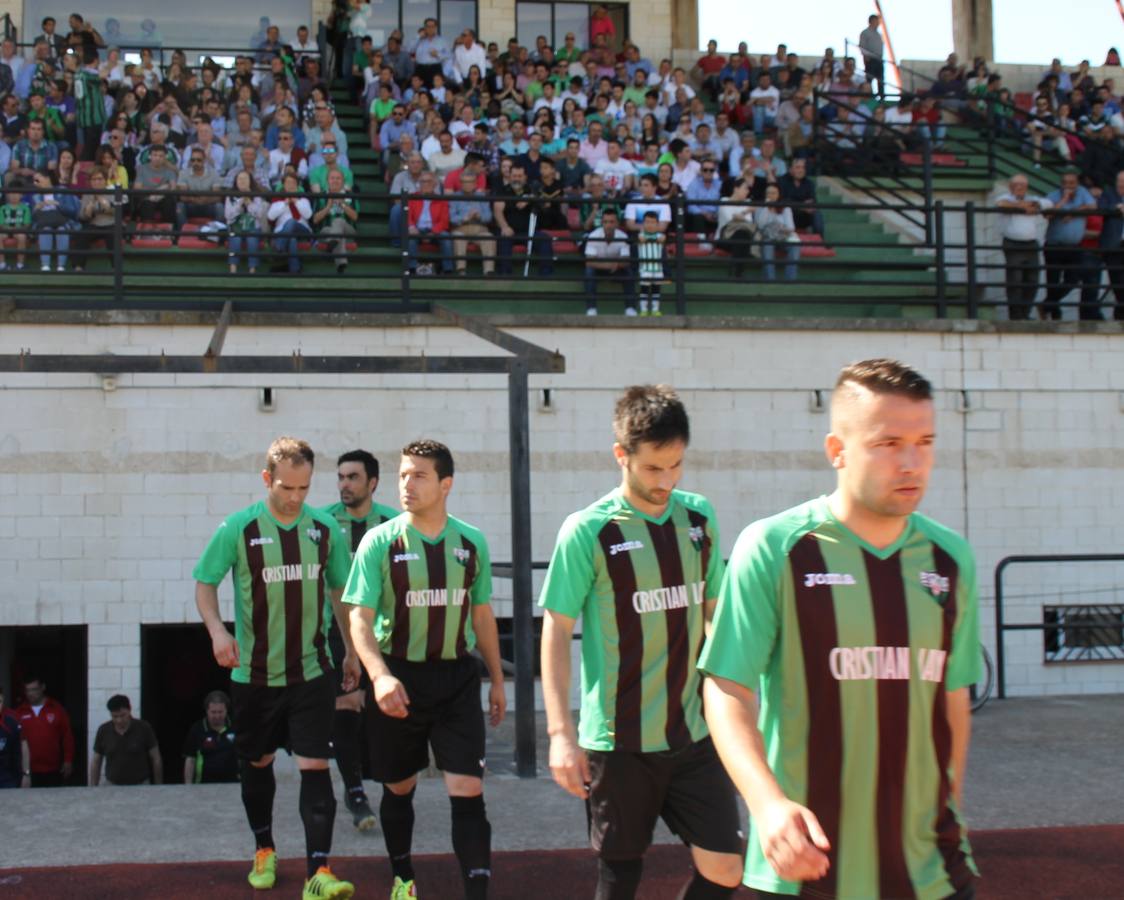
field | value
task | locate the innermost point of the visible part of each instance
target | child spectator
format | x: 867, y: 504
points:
x: 650, y: 246
x: 15, y: 223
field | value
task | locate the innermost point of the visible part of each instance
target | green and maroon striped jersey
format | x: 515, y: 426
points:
x: 281, y: 607
x: 421, y: 589
x: 854, y: 649
x: 356, y: 528
x: 639, y: 585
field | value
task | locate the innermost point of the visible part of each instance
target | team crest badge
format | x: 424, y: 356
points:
x: 938, y: 585
x: 314, y: 535
x: 697, y: 536
x: 462, y: 554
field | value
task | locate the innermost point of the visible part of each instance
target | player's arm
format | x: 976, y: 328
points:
x: 189, y: 770
x: 488, y: 642
x: 95, y: 769
x: 25, y: 764
x: 568, y: 762
x: 223, y: 644
x: 157, y: 764
x: 388, y: 691
x: 791, y: 836
x: 959, y: 712
x: 350, y: 660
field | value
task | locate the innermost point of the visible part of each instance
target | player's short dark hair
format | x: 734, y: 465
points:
x: 33, y: 678
x: 435, y: 450
x: 216, y: 697
x: 650, y: 413
x: 652, y: 214
x: 118, y: 702
x: 370, y: 464
x: 886, y: 376
x: 288, y: 449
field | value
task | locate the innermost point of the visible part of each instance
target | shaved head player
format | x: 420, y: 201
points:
x: 856, y: 619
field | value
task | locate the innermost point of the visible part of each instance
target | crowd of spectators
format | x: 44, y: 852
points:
x: 78, y: 115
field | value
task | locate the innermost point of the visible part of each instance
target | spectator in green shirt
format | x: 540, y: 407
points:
x: 15, y: 223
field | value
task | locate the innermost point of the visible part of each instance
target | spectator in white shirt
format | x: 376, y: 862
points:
x: 647, y: 202
x: 1020, y: 227
x: 304, y: 46
x: 608, y: 257
x: 765, y: 100
x: 617, y: 173
x: 593, y: 148
x: 685, y: 170
x: 446, y: 159
x: 468, y: 53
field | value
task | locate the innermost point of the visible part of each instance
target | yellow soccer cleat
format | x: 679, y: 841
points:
x: 325, y: 886
x: 403, y: 890
x: 264, y: 873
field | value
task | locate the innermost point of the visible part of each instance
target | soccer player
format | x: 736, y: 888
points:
x: 420, y: 588
x: 856, y: 619
x: 641, y: 567
x: 286, y: 558
x: 357, y: 477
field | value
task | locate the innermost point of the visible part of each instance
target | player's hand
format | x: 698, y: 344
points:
x: 569, y: 765
x: 25, y: 781
x: 225, y: 649
x: 793, y: 842
x: 391, y: 696
x: 351, y: 672
x: 497, y: 703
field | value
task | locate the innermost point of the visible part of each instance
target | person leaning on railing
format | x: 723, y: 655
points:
x: 1111, y: 204
x: 1019, y: 228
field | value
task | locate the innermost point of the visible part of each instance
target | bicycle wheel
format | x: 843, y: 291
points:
x: 980, y: 692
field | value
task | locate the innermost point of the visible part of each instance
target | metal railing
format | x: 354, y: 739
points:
x: 1048, y: 628
x: 131, y: 263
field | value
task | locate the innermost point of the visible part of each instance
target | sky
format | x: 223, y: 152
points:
x: 1026, y: 31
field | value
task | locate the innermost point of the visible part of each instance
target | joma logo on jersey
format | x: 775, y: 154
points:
x: 405, y: 557
x: 811, y: 579
x: 678, y: 597
x: 292, y: 572
x: 260, y: 541
x: 938, y: 584
x: 462, y: 554
x: 625, y: 547
x: 436, y: 597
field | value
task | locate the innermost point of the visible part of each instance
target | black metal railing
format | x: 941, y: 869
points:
x: 184, y: 260
x: 1089, y: 621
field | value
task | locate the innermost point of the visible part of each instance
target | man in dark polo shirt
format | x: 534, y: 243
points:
x: 128, y: 747
x: 209, y: 753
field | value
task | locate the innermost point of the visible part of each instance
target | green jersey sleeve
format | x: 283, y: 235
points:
x: 364, y: 582
x: 481, y: 590
x: 747, y: 618
x: 339, y: 557
x: 219, y: 556
x: 964, y: 662
x: 570, y: 576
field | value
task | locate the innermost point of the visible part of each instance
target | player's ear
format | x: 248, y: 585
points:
x: 833, y: 450
x: 266, y: 478
x: 620, y: 454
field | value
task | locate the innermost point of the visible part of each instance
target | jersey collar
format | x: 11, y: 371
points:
x: 654, y: 520
x: 883, y: 553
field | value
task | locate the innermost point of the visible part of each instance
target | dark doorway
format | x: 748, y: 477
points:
x: 177, y: 671
x: 57, y: 654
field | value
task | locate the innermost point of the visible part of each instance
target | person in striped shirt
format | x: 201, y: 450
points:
x: 856, y: 620
x: 287, y: 558
x: 357, y: 478
x: 420, y: 589
x: 641, y: 568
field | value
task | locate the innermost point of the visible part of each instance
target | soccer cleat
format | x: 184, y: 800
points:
x: 264, y: 873
x: 403, y: 890
x: 325, y: 886
x: 362, y: 815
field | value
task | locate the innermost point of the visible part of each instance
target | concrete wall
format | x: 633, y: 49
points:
x: 113, y: 494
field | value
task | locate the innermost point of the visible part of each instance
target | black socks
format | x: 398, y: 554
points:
x: 699, y: 888
x: 318, y: 812
x: 258, y: 788
x: 472, y: 843
x: 397, y: 815
x: 618, y: 879
x: 345, y: 742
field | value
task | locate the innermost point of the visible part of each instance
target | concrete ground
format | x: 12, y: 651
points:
x: 1034, y: 762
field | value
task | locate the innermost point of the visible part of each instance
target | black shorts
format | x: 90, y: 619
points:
x: 337, y: 650
x: 297, y: 717
x: 445, y: 713
x: 686, y: 788
x: 965, y: 893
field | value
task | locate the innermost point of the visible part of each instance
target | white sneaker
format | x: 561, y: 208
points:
x: 3, y: 265
x: 592, y: 311
x: 630, y: 310
x: 60, y: 269
x: 44, y: 268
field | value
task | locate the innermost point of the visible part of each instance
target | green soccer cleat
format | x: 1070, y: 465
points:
x: 264, y: 873
x: 403, y: 890
x: 325, y: 886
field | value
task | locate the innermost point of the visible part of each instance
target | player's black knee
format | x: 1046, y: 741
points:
x: 258, y: 788
x: 318, y: 812
x: 618, y: 879
x: 472, y: 843
x: 397, y: 814
x: 701, y: 888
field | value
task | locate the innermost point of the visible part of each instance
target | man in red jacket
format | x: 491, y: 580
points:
x: 46, y: 727
x: 428, y: 219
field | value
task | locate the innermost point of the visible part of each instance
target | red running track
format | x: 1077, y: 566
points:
x: 1084, y: 863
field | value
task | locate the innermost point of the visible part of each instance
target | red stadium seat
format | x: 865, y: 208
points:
x: 153, y: 235
x: 939, y: 159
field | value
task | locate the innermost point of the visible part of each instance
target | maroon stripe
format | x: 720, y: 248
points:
x: 400, y: 582
x: 665, y: 543
x: 294, y: 605
x: 435, y: 627
x: 949, y: 835
x: 698, y: 520
x: 323, y: 604
x: 469, y: 578
x: 259, y: 605
x: 630, y: 642
x: 358, y: 529
x: 891, y: 629
x: 815, y: 616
